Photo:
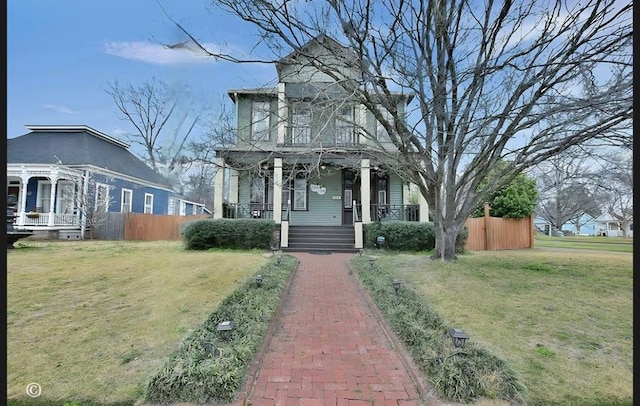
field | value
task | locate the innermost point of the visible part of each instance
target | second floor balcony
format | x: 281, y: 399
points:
x: 301, y: 135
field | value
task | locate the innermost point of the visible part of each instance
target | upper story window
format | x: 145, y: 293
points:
x: 127, y: 197
x: 260, y: 112
x: 345, y: 128
x: 301, y: 123
x: 381, y: 132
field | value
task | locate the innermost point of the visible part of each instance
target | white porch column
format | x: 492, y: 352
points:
x: 424, y: 209
x: 83, y: 201
x: 218, y: 191
x: 282, y: 114
x: 277, y: 190
x: 233, y: 186
x: 24, y: 179
x: 365, y: 190
x: 52, y: 201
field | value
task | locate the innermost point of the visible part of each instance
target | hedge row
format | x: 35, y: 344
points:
x: 407, y: 236
x: 228, y: 233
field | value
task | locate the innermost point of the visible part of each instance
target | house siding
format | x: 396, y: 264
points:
x: 323, y: 210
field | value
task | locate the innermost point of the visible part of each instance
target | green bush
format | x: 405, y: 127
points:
x: 408, y: 236
x: 457, y: 375
x: 210, y: 366
x: 229, y: 233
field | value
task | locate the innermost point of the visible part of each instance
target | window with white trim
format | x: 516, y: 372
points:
x: 65, y: 202
x: 148, y: 203
x: 125, y: 201
x: 260, y: 112
x: 102, y: 198
x: 300, y: 194
x: 43, y: 198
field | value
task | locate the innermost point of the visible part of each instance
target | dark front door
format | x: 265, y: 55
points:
x: 350, y: 192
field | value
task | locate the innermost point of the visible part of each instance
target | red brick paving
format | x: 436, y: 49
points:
x: 328, y: 347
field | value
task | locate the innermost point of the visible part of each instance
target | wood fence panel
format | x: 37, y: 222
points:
x: 495, y: 233
x: 153, y: 227
x: 112, y: 228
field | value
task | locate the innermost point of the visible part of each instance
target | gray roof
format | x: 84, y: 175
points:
x: 79, y: 146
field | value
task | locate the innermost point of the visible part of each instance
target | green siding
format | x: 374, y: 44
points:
x: 322, y: 210
x: 395, y: 189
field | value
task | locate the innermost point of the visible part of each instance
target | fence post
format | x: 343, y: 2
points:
x: 486, y: 226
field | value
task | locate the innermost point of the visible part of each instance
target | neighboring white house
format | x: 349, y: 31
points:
x: 607, y: 226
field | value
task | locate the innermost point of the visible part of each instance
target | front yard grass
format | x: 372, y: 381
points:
x: 561, y: 319
x: 91, y: 320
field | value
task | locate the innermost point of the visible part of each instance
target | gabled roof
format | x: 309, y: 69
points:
x: 78, y: 145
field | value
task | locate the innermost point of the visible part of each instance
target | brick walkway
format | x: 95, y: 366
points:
x: 328, y: 346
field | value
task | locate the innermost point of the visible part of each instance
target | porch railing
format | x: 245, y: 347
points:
x: 395, y: 212
x: 42, y: 219
x: 247, y: 211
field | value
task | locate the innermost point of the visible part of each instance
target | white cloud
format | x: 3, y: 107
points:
x: 159, y: 54
x: 60, y: 109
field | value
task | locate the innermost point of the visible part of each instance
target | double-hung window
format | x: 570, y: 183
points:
x: 301, y: 123
x: 125, y: 204
x: 260, y: 120
x: 345, y: 125
x: 300, y: 194
x: 148, y: 203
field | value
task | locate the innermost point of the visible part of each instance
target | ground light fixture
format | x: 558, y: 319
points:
x: 380, y: 241
x: 396, y: 285
x: 259, y: 280
x: 458, y: 337
x: 361, y: 251
x: 279, y: 259
x: 372, y: 262
x: 225, y: 328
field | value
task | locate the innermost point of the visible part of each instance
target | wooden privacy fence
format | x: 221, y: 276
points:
x: 142, y: 227
x: 495, y: 233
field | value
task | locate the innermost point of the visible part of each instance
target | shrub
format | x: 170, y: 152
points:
x: 408, y: 236
x: 457, y: 375
x: 229, y: 233
x: 210, y: 366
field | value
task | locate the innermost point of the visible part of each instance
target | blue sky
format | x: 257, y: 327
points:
x: 62, y: 55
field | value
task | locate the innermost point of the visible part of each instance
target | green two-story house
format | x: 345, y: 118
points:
x: 309, y: 156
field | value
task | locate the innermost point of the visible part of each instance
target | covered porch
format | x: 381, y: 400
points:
x: 46, y: 196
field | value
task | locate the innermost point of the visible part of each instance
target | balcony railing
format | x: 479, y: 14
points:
x: 337, y: 136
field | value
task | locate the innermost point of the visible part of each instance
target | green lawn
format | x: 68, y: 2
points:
x: 614, y: 244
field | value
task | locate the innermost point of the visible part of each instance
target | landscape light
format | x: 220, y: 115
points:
x: 259, y: 280
x: 459, y: 337
x: 372, y: 262
x: 396, y: 285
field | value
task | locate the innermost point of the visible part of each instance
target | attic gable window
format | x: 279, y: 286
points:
x: 260, y: 112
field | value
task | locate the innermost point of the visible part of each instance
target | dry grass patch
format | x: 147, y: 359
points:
x: 91, y: 320
x: 563, y: 319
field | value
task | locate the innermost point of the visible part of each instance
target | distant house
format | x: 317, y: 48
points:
x: 608, y: 226
x: 63, y: 174
x: 588, y: 226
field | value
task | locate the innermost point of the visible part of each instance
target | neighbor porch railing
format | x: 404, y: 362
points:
x: 42, y: 219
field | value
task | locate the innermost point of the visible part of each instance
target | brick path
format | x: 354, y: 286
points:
x: 329, y: 348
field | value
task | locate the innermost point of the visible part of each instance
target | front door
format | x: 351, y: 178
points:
x: 350, y: 193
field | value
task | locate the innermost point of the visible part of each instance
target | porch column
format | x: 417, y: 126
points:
x: 83, y: 202
x: 233, y: 186
x: 282, y: 114
x: 218, y: 189
x: 52, y: 201
x: 365, y: 190
x: 24, y: 178
x: 424, y: 209
x: 277, y: 190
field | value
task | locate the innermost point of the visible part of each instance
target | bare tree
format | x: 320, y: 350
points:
x: 567, y: 188
x: 493, y: 80
x: 616, y: 184
x: 92, y: 200
x: 163, y: 125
